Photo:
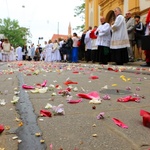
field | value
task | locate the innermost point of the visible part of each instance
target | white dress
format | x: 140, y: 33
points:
x: 19, y: 53
x: 56, y: 53
x: 12, y: 56
x: 48, y: 53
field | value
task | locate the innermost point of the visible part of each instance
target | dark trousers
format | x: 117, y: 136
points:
x: 94, y: 55
x: 88, y: 55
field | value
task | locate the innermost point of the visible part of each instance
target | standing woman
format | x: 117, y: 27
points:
x: 57, y: 56
x: 119, y: 40
x: 6, y: 50
x: 48, y: 52
x: 75, y: 47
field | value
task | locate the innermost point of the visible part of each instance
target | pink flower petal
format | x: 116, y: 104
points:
x: 100, y: 116
x: 75, y: 101
x: 119, y: 123
x: 44, y: 83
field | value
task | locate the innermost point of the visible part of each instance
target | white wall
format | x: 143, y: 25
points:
x: 144, y: 4
x: 125, y: 7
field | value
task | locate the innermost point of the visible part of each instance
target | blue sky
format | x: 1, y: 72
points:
x: 42, y: 16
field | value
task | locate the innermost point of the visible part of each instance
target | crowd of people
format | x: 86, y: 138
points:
x: 106, y: 43
x: 115, y: 42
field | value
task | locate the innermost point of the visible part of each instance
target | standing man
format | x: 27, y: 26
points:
x: 103, y: 41
x: 139, y: 32
x: 119, y: 40
x: 130, y: 29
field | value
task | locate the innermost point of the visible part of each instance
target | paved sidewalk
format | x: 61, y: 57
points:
x: 79, y: 128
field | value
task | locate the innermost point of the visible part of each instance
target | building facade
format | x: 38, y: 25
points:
x: 96, y: 8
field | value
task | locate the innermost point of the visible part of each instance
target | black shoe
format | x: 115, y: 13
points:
x: 131, y: 60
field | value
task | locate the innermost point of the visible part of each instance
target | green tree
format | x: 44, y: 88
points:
x: 17, y: 35
x: 79, y: 11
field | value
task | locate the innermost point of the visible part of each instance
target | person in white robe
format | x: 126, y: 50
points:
x: 94, y: 47
x: 103, y: 41
x: 88, y: 45
x: 48, y: 52
x: 32, y: 51
x: 42, y: 55
x: 19, y: 53
x: 119, y: 40
x: 56, y: 53
x: 12, y: 56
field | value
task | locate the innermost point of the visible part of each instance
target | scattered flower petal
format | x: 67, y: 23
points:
x: 95, y: 101
x: 1, y: 128
x: 48, y: 106
x: 128, y: 98
x: 94, y: 77
x: 119, y: 123
x: 90, y: 95
x: 45, y: 113
x: 58, y: 110
x: 106, y: 97
x: 146, y: 117
x: 100, y: 116
x: 24, y: 86
x: 70, y: 82
x: 74, y: 101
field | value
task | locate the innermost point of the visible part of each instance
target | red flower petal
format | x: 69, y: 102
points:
x: 45, y: 113
x: 119, y: 123
x: 70, y: 82
x: 128, y: 98
x: 146, y: 117
x: 1, y: 128
x: 90, y: 95
x: 111, y: 69
x: 24, y: 86
x: 94, y: 77
x: 75, y: 72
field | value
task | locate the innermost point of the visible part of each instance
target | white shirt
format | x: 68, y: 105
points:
x: 104, y: 35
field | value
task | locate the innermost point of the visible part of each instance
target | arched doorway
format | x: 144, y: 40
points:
x: 110, y: 17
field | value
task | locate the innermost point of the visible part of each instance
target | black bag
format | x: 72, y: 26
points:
x: 145, y: 41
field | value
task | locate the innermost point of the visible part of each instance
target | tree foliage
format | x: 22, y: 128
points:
x: 79, y: 11
x: 16, y: 35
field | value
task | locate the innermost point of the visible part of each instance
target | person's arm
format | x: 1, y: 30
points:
x: 141, y: 27
x: 105, y: 30
x: 119, y: 20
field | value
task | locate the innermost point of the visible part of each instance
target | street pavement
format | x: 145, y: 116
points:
x: 78, y: 127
